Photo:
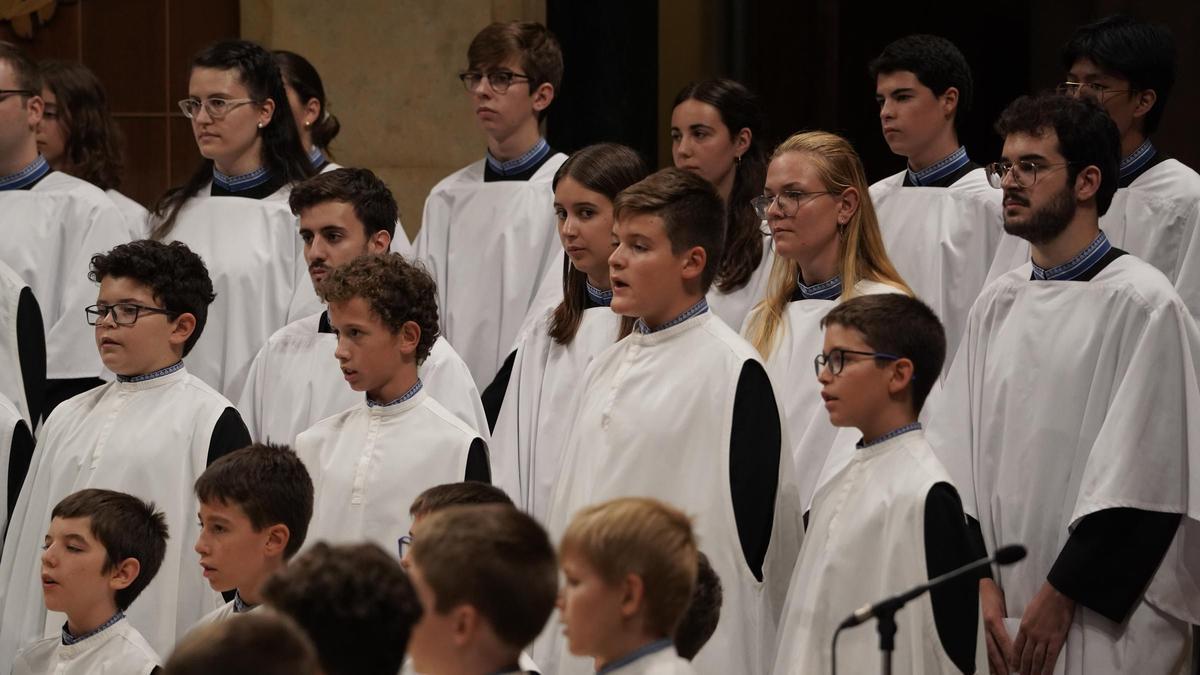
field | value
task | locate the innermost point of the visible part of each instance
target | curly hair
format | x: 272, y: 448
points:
x: 93, y: 147
x: 936, y: 62
x: 177, y: 277
x: 354, y: 601
x: 397, y: 290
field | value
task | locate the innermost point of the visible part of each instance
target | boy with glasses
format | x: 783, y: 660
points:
x: 151, y: 434
x: 488, y: 233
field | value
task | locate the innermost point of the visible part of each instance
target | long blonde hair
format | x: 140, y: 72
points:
x: 861, y: 250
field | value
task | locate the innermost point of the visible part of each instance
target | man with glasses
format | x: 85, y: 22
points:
x: 150, y: 433
x: 53, y: 223
x: 1070, y: 418
x: 488, y: 233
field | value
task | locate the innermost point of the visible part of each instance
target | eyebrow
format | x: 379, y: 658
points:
x: 699, y: 126
x: 901, y: 90
x: 117, y: 302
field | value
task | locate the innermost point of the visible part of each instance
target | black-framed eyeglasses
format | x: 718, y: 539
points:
x: 124, y: 313
x: 498, y: 80
x: 836, y: 359
x: 788, y: 201
x: 5, y: 93
x: 217, y: 108
x: 1090, y: 90
x: 1024, y: 173
x: 403, y: 544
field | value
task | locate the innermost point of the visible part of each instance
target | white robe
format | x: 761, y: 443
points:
x: 662, y: 662
x: 117, y: 650
x: 488, y: 246
x: 149, y: 439
x: 866, y: 542
x: 734, y: 307
x: 225, y: 611
x: 51, y: 233
x: 135, y: 214
x: 368, y: 464
x: 255, y: 257
x: 942, y: 241
x: 12, y: 380
x: 527, y: 443
x: 655, y: 419
x: 9, y: 419
x: 295, y: 382
x: 1068, y: 398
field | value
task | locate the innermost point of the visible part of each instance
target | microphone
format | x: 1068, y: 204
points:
x: 1006, y: 555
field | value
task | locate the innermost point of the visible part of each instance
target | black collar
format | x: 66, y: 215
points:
x: 491, y: 176
x: 1159, y: 158
x: 323, y: 326
x: 1091, y: 272
x: 257, y: 192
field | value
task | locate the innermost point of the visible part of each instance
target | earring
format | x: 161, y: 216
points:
x: 737, y: 159
x: 307, y: 124
x: 260, y: 125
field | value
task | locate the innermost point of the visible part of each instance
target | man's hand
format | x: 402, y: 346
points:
x: 999, y: 645
x: 1043, y: 631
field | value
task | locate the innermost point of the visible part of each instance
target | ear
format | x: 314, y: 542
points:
x: 847, y: 207
x: 410, y: 335
x: 35, y: 107
x: 1146, y: 99
x: 902, y: 375
x: 741, y: 141
x: 543, y: 96
x: 694, y: 260
x: 1087, y: 183
x: 265, y: 112
x: 185, y: 325
x: 124, y: 573
x: 633, y: 590
x: 380, y: 242
x: 278, y: 536
x: 312, y: 112
x: 466, y: 624
x: 949, y: 102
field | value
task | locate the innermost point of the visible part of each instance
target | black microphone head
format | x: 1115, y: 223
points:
x: 1010, y: 554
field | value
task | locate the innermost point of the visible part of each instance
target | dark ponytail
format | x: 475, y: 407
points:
x: 302, y: 76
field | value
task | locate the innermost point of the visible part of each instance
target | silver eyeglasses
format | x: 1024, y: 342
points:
x: 217, y: 108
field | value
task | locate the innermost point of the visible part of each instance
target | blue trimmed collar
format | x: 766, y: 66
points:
x: 1076, y: 266
x: 68, y: 639
x: 31, y: 174
x: 317, y: 158
x: 161, y: 372
x: 826, y: 290
x: 599, y: 297
x: 915, y: 426
x: 640, y: 652
x: 695, y: 310
x: 940, y: 169
x: 412, y: 391
x: 1138, y: 159
x: 521, y: 164
x: 239, y: 605
x: 243, y: 182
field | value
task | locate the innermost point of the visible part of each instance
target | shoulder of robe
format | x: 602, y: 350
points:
x: 1170, y: 181
x: 738, y: 348
x: 1142, y: 281
x: 300, y: 328
x: 468, y: 175
x: 440, y: 412
x: 885, y: 185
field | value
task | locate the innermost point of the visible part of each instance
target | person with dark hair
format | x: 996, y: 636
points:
x: 529, y: 400
x: 233, y: 210
x: 718, y: 132
x: 355, y: 603
x: 682, y: 410
x: 263, y: 643
x: 149, y: 433
x: 294, y: 382
x: 372, y: 460
x: 940, y: 220
x: 703, y: 614
x: 487, y: 232
x: 78, y: 135
x: 306, y: 97
x: 255, y: 506
x: 53, y: 224
x: 1069, y: 417
x: 102, y: 549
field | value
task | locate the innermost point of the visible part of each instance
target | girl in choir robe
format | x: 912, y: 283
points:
x: 151, y: 433
x: 370, y: 462
x: 718, y: 132
x: 544, y: 372
x: 79, y: 136
x: 828, y: 249
x: 233, y: 210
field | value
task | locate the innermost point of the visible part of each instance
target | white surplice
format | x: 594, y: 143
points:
x: 136, y: 215
x: 12, y: 379
x: 117, y: 650
x: 733, y: 307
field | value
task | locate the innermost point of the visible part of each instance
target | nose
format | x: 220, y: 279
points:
x: 616, y: 261
x: 49, y: 559
x: 1008, y: 179
x: 342, y: 353
x: 201, y: 545
x: 824, y: 375
x: 885, y: 110
x: 570, y: 228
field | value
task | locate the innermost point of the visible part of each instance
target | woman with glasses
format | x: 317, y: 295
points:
x: 233, y: 210
x: 717, y: 132
x: 827, y: 249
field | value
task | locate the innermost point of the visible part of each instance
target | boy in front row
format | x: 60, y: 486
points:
x: 102, y: 549
x: 891, y: 518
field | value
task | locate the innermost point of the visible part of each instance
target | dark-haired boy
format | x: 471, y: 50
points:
x: 892, y: 502
x: 682, y: 410
x: 150, y: 433
x: 255, y: 505
x: 939, y: 218
x: 1069, y: 417
x: 102, y: 550
x: 264, y: 643
x: 488, y: 232
x: 371, y: 461
x: 295, y: 381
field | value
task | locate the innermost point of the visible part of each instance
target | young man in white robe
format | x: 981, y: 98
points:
x: 295, y: 381
x: 487, y: 234
x: 1069, y: 419
x: 889, y: 520
x: 682, y: 410
x: 54, y: 223
x: 370, y: 462
x: 150, y: 433
x: 940, y: 220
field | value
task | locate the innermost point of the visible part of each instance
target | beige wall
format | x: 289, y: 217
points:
x: 389, y: 68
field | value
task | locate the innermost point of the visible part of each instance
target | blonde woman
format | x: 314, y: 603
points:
x: 827, y: 249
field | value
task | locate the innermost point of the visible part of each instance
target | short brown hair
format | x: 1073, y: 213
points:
x: 539, y: 51
x: 24, y: 68
x: 642, y: 536
x: 464, y: 493
x: 127, y: 527
x: 703, y: 613
x: 902, y: 326
x: 397, y: 290
x: 355, y: 603
x: 495, y: 558
x: 690, y: 208
x: 373, y: 203
x: 261, y: 643
x: 269, y: 483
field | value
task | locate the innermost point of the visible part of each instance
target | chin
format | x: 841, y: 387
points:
x: 624, y: 306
